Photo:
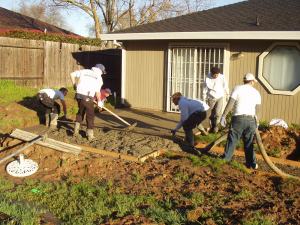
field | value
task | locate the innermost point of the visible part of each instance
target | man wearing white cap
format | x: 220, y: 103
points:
x: 245, y: 101
x: 87, y: 84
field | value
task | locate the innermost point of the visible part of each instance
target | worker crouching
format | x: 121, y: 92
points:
x: 193, y: 112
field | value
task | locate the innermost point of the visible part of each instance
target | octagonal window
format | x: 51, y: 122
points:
x: 279, y: 69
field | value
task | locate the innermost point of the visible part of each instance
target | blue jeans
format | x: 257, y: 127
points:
x: 241, y: 126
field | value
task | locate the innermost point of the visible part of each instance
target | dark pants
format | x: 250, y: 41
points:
x: 86, y: 106
x: 242, y: 126
x: 193, y: 121
x: 48, y: 104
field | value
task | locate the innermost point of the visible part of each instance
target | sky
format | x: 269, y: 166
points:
x: 78, y: 21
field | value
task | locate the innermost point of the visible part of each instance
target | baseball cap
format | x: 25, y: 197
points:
x: 107, y: 90
x: 101, y: 67
x: 249, y: 77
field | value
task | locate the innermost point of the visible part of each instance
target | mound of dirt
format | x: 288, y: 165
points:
x: 282, y: 143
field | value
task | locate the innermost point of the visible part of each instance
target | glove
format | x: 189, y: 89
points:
x: 173, y: 131
x: 100, y: 104
x: 223, y: 121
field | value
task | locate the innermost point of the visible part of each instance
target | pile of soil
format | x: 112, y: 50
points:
x: 282, y: 143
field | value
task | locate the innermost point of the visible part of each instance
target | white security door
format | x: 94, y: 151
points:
x: 187, y: 68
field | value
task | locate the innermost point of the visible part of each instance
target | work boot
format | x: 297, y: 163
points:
x: 76, y: 129
x: 47, y: 120
x: 53, y: 122
x: 90, y: 134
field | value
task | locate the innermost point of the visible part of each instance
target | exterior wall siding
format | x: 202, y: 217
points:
x: 146, y: 65
x: 145, y: 75
x: 273, y: 106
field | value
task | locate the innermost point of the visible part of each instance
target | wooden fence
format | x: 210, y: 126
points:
x: 37, y: 63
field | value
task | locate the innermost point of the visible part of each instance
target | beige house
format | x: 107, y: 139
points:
x: 258, y: 36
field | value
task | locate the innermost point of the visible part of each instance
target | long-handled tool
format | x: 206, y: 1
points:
x: 130, y: 126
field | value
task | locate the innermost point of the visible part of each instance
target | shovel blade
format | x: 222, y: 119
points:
x: 131, y: 127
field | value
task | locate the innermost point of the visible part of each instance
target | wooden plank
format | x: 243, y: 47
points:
x: 48, y: 142
x: 110, y: 154
x: 153, y: 154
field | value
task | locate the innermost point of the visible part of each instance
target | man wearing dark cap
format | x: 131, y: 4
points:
x: 245, y: 101
x: 214, y: 91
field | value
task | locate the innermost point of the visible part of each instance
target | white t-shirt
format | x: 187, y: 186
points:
x: 188, y: 107
x: 246, y: 98
x: 90, y: 81
x: 53, y: 94
x: 215, y: 87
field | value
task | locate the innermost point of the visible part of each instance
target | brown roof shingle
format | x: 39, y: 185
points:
x: 272, y: 15
x: 12, y: 20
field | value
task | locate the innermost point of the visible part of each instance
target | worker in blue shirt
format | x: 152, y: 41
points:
x: 193, y: 112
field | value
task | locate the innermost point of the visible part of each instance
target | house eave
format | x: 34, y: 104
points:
x: 218, y: 35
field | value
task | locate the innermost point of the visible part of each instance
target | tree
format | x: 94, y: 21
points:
x: 43, y: 12
x: 111, y: 15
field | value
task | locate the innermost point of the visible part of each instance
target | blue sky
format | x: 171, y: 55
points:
x: 82, y: 21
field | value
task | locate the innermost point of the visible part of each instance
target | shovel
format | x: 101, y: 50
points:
x: 130, y: 126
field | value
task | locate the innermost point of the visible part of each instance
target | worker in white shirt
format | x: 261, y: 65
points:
x: 47, y: 97
x: 87, y: 83
x: 192, y: 113
x: 245, y: 101
x: 215, y: 88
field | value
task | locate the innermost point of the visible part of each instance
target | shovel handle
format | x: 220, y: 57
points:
x: 124, y: 121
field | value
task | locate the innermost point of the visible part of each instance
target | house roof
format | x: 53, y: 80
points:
x: 252, y: 16
x: 10, y: 20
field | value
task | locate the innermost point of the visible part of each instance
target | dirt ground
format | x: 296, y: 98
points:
x: 168, y: 176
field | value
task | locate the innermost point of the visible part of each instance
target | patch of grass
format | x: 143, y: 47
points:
x: 86, y: 202
x: 295, y: 126
x: 263, y: 125
x: 258, y: 219
x: 197, y: 199
x: 239, y: 166
x: 181, y: 176
x: 170, y: 154
x: 214, y: 163
x: 136, y: 177
x: 215, y: 215
x: 275, y: 152
x: 243, y: 195
x: 20, y: 213
x: 10, y: 92
x: 207, y: 138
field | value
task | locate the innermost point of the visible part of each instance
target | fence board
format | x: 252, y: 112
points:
x: 41, y: 63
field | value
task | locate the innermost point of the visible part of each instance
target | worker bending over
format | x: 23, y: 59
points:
x: 47, y: 98
x: 87, y: 83
x: 193, y: 112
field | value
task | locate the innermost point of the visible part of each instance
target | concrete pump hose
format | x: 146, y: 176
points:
x: 267, y: 159
x: 262, y: 150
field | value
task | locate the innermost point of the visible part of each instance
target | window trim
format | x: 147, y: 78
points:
x: 260, y: 68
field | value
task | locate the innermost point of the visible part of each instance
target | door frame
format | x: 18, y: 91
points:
x: 226, y: 63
